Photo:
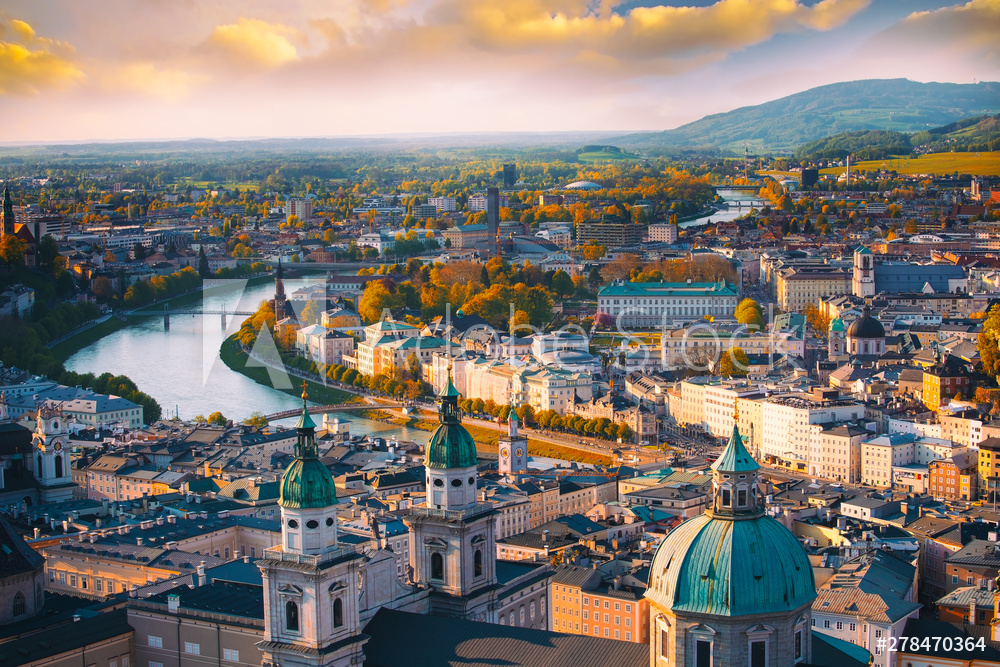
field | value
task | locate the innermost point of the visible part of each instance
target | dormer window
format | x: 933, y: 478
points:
x: 727, y: 498
x: 741, y: 497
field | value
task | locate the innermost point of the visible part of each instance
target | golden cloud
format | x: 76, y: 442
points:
x: 973, y: 28
x: 30, y: 64
x: 643, y: 33
x: 253, y: 42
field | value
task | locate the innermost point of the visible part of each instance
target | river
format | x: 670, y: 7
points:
x: 740, y: 203
x: 181, y: 368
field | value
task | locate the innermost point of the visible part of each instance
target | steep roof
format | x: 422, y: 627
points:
x: 16, y: 556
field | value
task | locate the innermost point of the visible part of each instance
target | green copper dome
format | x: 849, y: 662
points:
x: 307, y: 482
x: 450, y: 446
x: 735, y: 457
x: 837, y: 324
x: 731, y: 567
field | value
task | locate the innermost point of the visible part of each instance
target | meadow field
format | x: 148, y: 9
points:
x: 975, y: 164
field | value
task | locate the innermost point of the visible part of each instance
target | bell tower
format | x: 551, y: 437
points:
x: 52, y: 460
x: 453, y: 536
x: 863, y: 282
x: 311, y: 583
x: 513, y: 449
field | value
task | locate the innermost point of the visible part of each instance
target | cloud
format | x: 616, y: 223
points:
x: 573, y: 27
x: 30, y: 64
x: 169, y: 85
x: 972, y: 28
x: 253, y: 42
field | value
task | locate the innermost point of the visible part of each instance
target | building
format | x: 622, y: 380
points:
x: 835, y: 451
x: 798, y: 287
x: 945, y: 380
x: 733, y: 586
x: 610, y: 232
x: 880, y: 456
x: 52, y: 465
x: 988, y: 465
x: 583, y: 603
x: 663, y: 232
x: 466, y: 236
x: 513, y: 449
x: 866, y: 335
x: 509, y: 175
x: 442, y: 204
x: 954, y: 478
x: 300, y: 208
x: 652, y: 304
x: 787, y: 421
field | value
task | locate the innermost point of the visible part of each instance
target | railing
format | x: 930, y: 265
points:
x: 474, y: 511
x: 279, y: 554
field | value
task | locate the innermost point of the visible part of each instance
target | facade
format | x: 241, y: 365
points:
x: 835, y: 451
x: 513, y: 450
x: 787, y: 421
x: 52, y: 459
x: 466, y: 236
x: 651, y: 304
x: 300, y: 208
x: 609, y: 232
x: 945, y: 380
x: 582, y: 603
x: 663, y: 232
x: 797, y: 288
x: 442, y: 204
x: 954, y: 478
x: 866, y: 335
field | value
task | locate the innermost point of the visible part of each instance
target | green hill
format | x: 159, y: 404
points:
x: 981, y: 133
x: 896, y: 105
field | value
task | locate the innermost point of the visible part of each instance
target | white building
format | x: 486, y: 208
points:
x: 787, y: 420
x: 442, y: 204
x: 663, y: 232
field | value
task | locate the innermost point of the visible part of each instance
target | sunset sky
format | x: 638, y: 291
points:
x: 73, y: 70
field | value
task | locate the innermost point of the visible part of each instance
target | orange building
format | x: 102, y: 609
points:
x: 584, y: 604
x: 944, y: 380
x: 969, y: 605
x: 954, y: 478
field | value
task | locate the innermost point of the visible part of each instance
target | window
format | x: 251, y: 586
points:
x: 437, y: 566
x: 826, y: 624
x: 532, y: 610
x: 291, y: 616
x: 192, y: 648
x: 112, y: 663
x: 618, y: 606
x: 521, y: 615
x: 338, y: 613
x: 19, y: 606
x: 840, y: 625
x: 878, y: 633
x: 628, y: 636
x: 98, y: 585
x: 72, y: 580
x: 741, y: 497
x: 230, y: 654
x: 155, y: 664
x: 703, y: 653
x: 478, y: 564
x: 798, y: 644
x: 853, y: 627
x: 155, y: 642
x: 758, y: 654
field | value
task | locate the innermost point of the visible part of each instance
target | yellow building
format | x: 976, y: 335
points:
x: 799, y: 287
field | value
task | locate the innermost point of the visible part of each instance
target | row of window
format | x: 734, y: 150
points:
x: 191, y: 648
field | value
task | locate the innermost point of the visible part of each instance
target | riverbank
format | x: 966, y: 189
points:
x: 233, y: 356
x: 196, y: 295
x: 85, y: 336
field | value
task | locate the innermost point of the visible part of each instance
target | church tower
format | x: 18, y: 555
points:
x: 311, y: 583
x: 837, y: 345
x: 513, y: 449
x: 7, y: 223
x: 863, y: 282
x: 453, y: 536
x: 733, y: 586
x: 279, y: 293
x: 52, y: 462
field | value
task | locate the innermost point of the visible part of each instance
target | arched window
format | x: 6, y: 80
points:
x: 38, y: 471
x: 532, y: 610
x: 478, y: 562
x: 521, y: 614
x: 59, y: 470
x: 19, y: 604
x: 511, y: 618
x: 338, y: 613
x: 437, y: 566
x: 291, y: 616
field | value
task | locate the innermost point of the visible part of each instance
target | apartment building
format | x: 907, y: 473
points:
x: 796, y: 288
x: 787, y: 420
x: 835, y: 451
x: 582, y: 603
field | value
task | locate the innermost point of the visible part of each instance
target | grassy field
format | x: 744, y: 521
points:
x: 976, y: 164
x: 71, y: 346
x: 234, y: 357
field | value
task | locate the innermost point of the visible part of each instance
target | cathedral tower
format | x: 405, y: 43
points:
x: 863, y: 281
x: 7, y: 223
x: 733, y: 586
x: 52, y: 462
x: 310, y: 582
x: 513, y: 449
x: 453, y: 536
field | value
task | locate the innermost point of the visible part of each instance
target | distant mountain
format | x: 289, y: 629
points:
x: 898, y: 105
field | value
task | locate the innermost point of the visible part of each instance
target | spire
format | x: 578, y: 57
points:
x: 734, y: 479
x: 448, y: 412
x: 305, y: 447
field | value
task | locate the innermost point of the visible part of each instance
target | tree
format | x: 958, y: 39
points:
x: 48, y: 251
x: 378, y: 295
x: 217, y: 419
x: 562, y: 284
x: 311, y: 312
x: 624, y: 432
x: 987, y: 343
x: 257, y: 420
x: 734, y: 363
x: 910, y: 227
x: 103, y: 289
x: 203, y: 269
x: 139, y: 252
x: 749, y: 312
x: 819, y: 321
x: 12, y: 251
x: 594, y: 279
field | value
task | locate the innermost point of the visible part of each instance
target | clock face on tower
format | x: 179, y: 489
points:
x: 519, y: 452
x: 58, y: 446
x: 504, y: 453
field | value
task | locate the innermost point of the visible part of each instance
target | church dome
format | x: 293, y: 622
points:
x: 734, y: 560
x: 728, y: 567
x: 450, y: 446
x: 307, y: 483
x: 866, y: 326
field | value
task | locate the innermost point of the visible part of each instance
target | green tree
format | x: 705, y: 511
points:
x: 48, y: 251
x: 12, y: 251
x: 562, y: 284
x: 203, y: 269
x: 256, y: 419
x: 311, y: 312
x: 217, y: 419
x: 749, y: 312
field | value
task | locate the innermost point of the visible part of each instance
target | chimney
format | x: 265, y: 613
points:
x: 38, y: 533
x: 618, y: 583
x: 545, y: 536
x: 159, y: 521
x: 202, y: 578
x: 173, y: 603
x: 138, y: 541
x: 171, y: 519
x: 991, y: 536
x: 65, y: 526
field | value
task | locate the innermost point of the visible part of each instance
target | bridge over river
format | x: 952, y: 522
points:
x: 325, y: 409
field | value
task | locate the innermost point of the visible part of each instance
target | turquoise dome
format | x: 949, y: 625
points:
x: 307, y: 483
x: 450, y: 446
x: 731, y: 567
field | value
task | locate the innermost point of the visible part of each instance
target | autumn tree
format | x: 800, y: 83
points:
x: 310, y: 314
x: 987, y: 343
x: 749, y: 312
x: 12, y: 251
x: 734, y: 363
x: 818, y: 320
x: 217, y: 419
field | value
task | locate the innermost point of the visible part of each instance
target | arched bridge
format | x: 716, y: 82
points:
x: 324, y: 409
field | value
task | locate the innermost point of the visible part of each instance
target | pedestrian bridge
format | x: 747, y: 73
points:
x: 325, y: 409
